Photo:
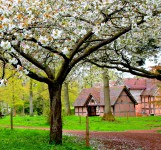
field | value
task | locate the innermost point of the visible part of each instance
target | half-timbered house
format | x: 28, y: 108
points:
x: 91, y: 102
x: 147, y: 93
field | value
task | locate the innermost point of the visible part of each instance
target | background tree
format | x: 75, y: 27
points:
x: 7, y: 93
x: 73, y: 91
x: 66, y: 99
x: 47, y: 39
x: 88, y: 75
x: 31, y: 98
x: 108, y: 116
x: 40, y: 98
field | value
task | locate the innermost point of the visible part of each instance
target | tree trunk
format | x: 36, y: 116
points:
x: 66, y: 99
x: 11, y: 118
x: 55, y: 113
x: 107, y: 111
x: 43, y: 102
x: 23, y: 107
x: 31, y: 99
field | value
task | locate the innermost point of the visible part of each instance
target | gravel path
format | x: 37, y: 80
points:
x: 130, y: 140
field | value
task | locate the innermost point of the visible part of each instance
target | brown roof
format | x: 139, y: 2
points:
x: 98, y: 94
x: 135, y: 83
x: 138, y: 87
x: 115, y: 92
x: 136, y: 94
x: 85, y: 93
x: 142, y: 86
x: 150, y: 91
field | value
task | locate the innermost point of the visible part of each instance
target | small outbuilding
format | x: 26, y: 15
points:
x: 91, y: 102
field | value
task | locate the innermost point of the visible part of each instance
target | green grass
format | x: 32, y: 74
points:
x: 121, y: 123
x: 37, y: 121
x: 22, y: 139
x: 96, y: 124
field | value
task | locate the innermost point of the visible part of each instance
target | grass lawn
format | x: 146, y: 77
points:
x: 96, y: 124
x: 121, y: 123
x: 37, y: 121
x: 22, y: 139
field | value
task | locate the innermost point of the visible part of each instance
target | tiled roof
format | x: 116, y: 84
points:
x: 98, y: 94
x: 147, y: 86
x: 150, y: 91
x: 115, y: 92
x: 85, y: 93
x: 137, y: 86
x: 136, y: 94
x: 135, y: 83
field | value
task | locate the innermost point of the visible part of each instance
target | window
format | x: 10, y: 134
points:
x: 92, y: 100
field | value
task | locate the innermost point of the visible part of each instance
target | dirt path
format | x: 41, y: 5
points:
x: 130, y: 140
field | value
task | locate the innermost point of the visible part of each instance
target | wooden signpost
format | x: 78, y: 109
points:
x: 87, y: 131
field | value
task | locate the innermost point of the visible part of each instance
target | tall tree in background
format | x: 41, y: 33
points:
x: 46, y: 39
x: 31, y: 98
x: 108, y: 116
x: 66, y: 99
x: 12, y: 91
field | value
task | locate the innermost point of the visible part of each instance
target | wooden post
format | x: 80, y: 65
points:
x: 80, y: 121
x: 11, y: 118
x: 127, y: 115
x: 87, y: 131
x: 12, y: 104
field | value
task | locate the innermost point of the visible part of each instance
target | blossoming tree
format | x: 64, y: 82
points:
x: 46, y: 39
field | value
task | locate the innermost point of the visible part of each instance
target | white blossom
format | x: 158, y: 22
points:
x: 19, y: 67
x: 43, y: 40
x: 11, y: 26
x: 134, y: 25
x: 5, y: 45
x: 65, y: 51
x: 56, y: 33
x: 3, y: 82
x: 13, y: 50
x: 13, y: 61
x: 61, y: 24
x: 96, y: 29
x: 6, y: 21
x: 26, y: 71
x: 83, y: 32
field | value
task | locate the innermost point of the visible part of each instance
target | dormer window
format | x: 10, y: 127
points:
x: 92, y: 100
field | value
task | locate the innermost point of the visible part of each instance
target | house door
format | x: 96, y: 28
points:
x: 91, y: 110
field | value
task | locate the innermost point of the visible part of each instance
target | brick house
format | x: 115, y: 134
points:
x: 91, y: 102
x: 147, y: 93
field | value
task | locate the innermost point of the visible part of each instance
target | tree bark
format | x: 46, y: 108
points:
x: 43, y: 102
x: 23, y: 107
x: 66, y: 99
x: 55, y: 113
x: 31, y: 99
x: 107, y: 110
